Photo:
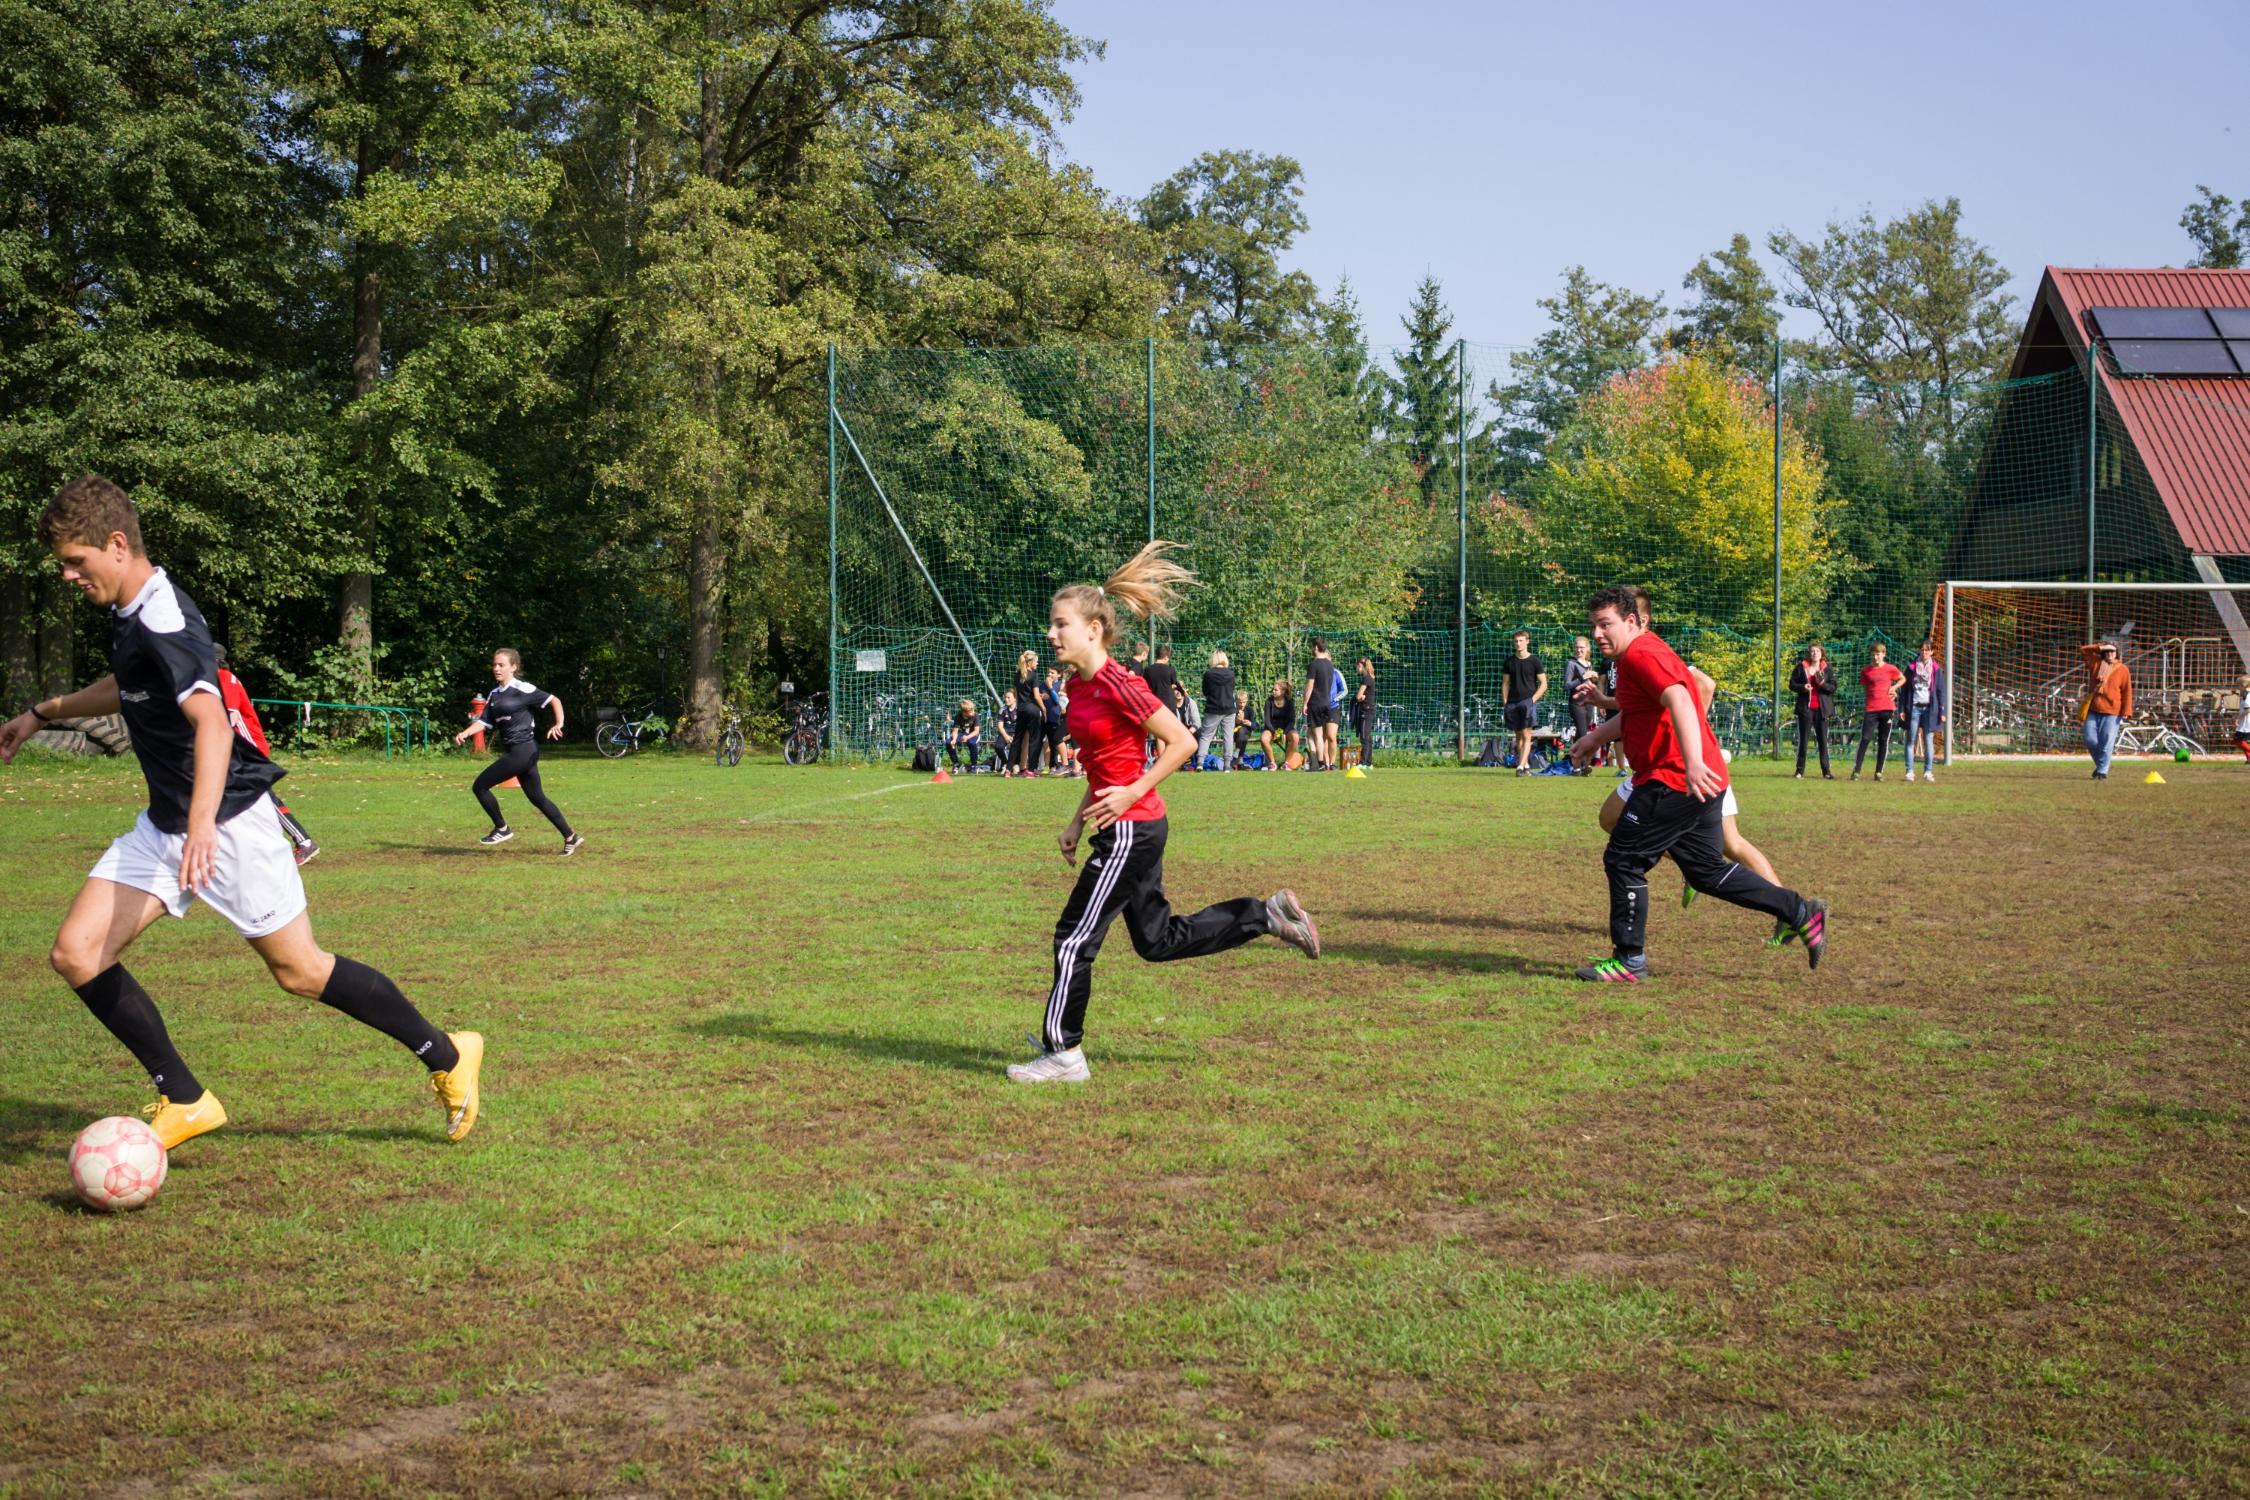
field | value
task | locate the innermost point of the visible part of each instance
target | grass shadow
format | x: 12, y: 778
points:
x: 348, y: 1133
x: 1457, y: 960
x: 440, y: 851
x: 28, y: 1126
x: 1475, y: 923
x: 961, y: 1057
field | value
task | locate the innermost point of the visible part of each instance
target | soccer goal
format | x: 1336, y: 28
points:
x: 2017, y: 678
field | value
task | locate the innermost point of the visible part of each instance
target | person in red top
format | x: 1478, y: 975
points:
x: 1679, y: 783
x: 1880, y: 681
x: 1113, y: 714
x: 243, y: 715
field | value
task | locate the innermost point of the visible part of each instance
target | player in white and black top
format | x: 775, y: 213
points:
x: 210, y: 831
x: 511, y: 714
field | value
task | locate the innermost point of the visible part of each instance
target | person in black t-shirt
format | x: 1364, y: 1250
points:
x: 1523, y: 685
x: 210, y: 832
x: 1281, y: 719
x: 1057, y: 725
x: 1363, y: 711
x: 1162, y: 679
x: 1031, y: 715
x: 1007, y: 726
x: 1320, y: 708
x: 511, y: 713
x: 963, y: 734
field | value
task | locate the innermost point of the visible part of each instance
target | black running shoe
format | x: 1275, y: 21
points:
x: 499, y: 835
x: 1814, y: 930
x: 570, y: 845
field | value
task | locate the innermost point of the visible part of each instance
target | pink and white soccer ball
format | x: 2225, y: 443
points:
x: 116, y: 1164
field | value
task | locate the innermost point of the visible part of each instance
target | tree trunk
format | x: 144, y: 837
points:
x: 19, y: 667
x: 356, y: 614
x: 707, y: 529
x: 56, y: 669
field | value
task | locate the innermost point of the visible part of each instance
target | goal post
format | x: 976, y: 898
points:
x: 2016, y: 676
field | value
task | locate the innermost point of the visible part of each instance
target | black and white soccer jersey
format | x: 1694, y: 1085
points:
x: 511, y: 712
x: 160, y: 653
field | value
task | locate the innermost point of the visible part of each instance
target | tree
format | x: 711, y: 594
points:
x: 1733, y: 317
x: 1425, y: 393
x: 1912, y: 307
x: 2220, y: 228
x: 1664, y: 478
x: 1343, y: 343
x: 1225, y: 220
x: 1597, y: 331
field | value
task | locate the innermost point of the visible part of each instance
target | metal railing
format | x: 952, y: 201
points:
x: 409, y: 719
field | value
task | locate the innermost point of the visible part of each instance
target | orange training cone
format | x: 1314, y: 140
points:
x: 941, y: 779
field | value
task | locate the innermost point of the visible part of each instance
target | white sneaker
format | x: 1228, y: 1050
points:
x: 1052, y: 1067
x: 1910, y: 775
x: 1287, y: 919
x: 1930, y: 774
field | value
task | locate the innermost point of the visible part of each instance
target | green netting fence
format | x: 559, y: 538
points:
x: 1417, y: 506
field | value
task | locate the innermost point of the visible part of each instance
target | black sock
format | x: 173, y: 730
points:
x: 371, y: 999
x: 118, y: 1002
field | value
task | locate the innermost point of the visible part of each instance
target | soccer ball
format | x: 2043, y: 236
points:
x: 116, y: 1164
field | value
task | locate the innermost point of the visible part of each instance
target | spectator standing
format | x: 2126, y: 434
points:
x: 1031, y: 715
x: 1580, y: 668
x: 1321, y: 683
x: 1056, y: 729
x: 2109, y: 702
x: 1879, y: 680
x: 1162, y: 678
x: 1218, y: 711
x: 1925, y: 709
x: 1363, y: 711
x: 1814, y: 684
x: 1522, y: 685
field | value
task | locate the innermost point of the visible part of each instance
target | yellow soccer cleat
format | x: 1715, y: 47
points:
x: 456, y: 1088
x: 174, y: 1123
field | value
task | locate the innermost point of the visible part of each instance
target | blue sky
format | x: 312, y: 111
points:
x: 1495, y: 144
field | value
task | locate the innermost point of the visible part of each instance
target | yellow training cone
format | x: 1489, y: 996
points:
x: 2153, y: 778
x: 1354, y: 773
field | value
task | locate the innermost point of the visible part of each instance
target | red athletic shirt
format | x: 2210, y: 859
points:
x: 1881, y: 684
x: 1646, y: 669
x: 241, y: 712
x: 1105, y: 719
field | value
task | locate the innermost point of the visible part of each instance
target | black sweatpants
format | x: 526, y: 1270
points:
x: 1056, y: 734
x: 1879, y: 721
x: 1813, y: 722
x: 1659, y: 821
x: 1124, y: 872
x: 521, y: 762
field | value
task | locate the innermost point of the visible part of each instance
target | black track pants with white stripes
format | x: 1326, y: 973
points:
x: 1124, y: 872
x: 1659, y: 821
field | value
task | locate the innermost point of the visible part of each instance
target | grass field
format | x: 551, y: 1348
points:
x: 753, y: 1210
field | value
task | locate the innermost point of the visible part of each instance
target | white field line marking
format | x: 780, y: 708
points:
x: 881, y: 791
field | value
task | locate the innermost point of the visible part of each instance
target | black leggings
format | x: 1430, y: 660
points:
x: 1879, y: 721
x: 521, y: 762
x: 1812, y: 725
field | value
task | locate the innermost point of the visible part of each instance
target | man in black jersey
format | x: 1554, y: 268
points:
x: 1522, y: 685
x: 210, y: 832
x: 1320, y: 708
x: 511, y: 714
x: 1163, y: 680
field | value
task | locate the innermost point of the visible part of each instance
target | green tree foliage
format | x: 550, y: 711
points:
x: 2220, y: 228
x: 1425, y: 392
x: 1664, y: 478
x: 1225, y: 221
x: 1596, y: 331
x: 1734, y: 316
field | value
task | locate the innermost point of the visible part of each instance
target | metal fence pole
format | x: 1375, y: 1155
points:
x: 2093, y: 438
x: 1461, y: 548
x: 1152, y: 439
x: 834, y: 706
x: 1775, y: 701
x: 1948, y: 692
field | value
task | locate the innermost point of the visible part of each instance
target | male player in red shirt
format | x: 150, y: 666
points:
x: 1680, y: 780
x: 243, y: 715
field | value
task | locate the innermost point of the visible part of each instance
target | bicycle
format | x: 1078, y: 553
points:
x: 621, y: 736
x: 806, y: 734
x: 2153, y: 739
x: 730, y: 737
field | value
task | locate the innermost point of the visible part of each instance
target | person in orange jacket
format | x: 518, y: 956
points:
x: 243, y: 715
x: 2109, y: 702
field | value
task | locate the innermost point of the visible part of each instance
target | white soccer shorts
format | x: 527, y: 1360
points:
x: 1726, y: 803
x: 254, y: 882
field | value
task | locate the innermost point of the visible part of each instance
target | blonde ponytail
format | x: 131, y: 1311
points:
x: 1148, y: 586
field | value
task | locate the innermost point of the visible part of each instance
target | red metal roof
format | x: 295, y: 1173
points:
x: 2192, y: 433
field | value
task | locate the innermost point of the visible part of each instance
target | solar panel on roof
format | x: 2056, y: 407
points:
x: 2241, y: 348
x: 2172, y: 357
x: 2234, y: 322
x: 2151, y: 322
